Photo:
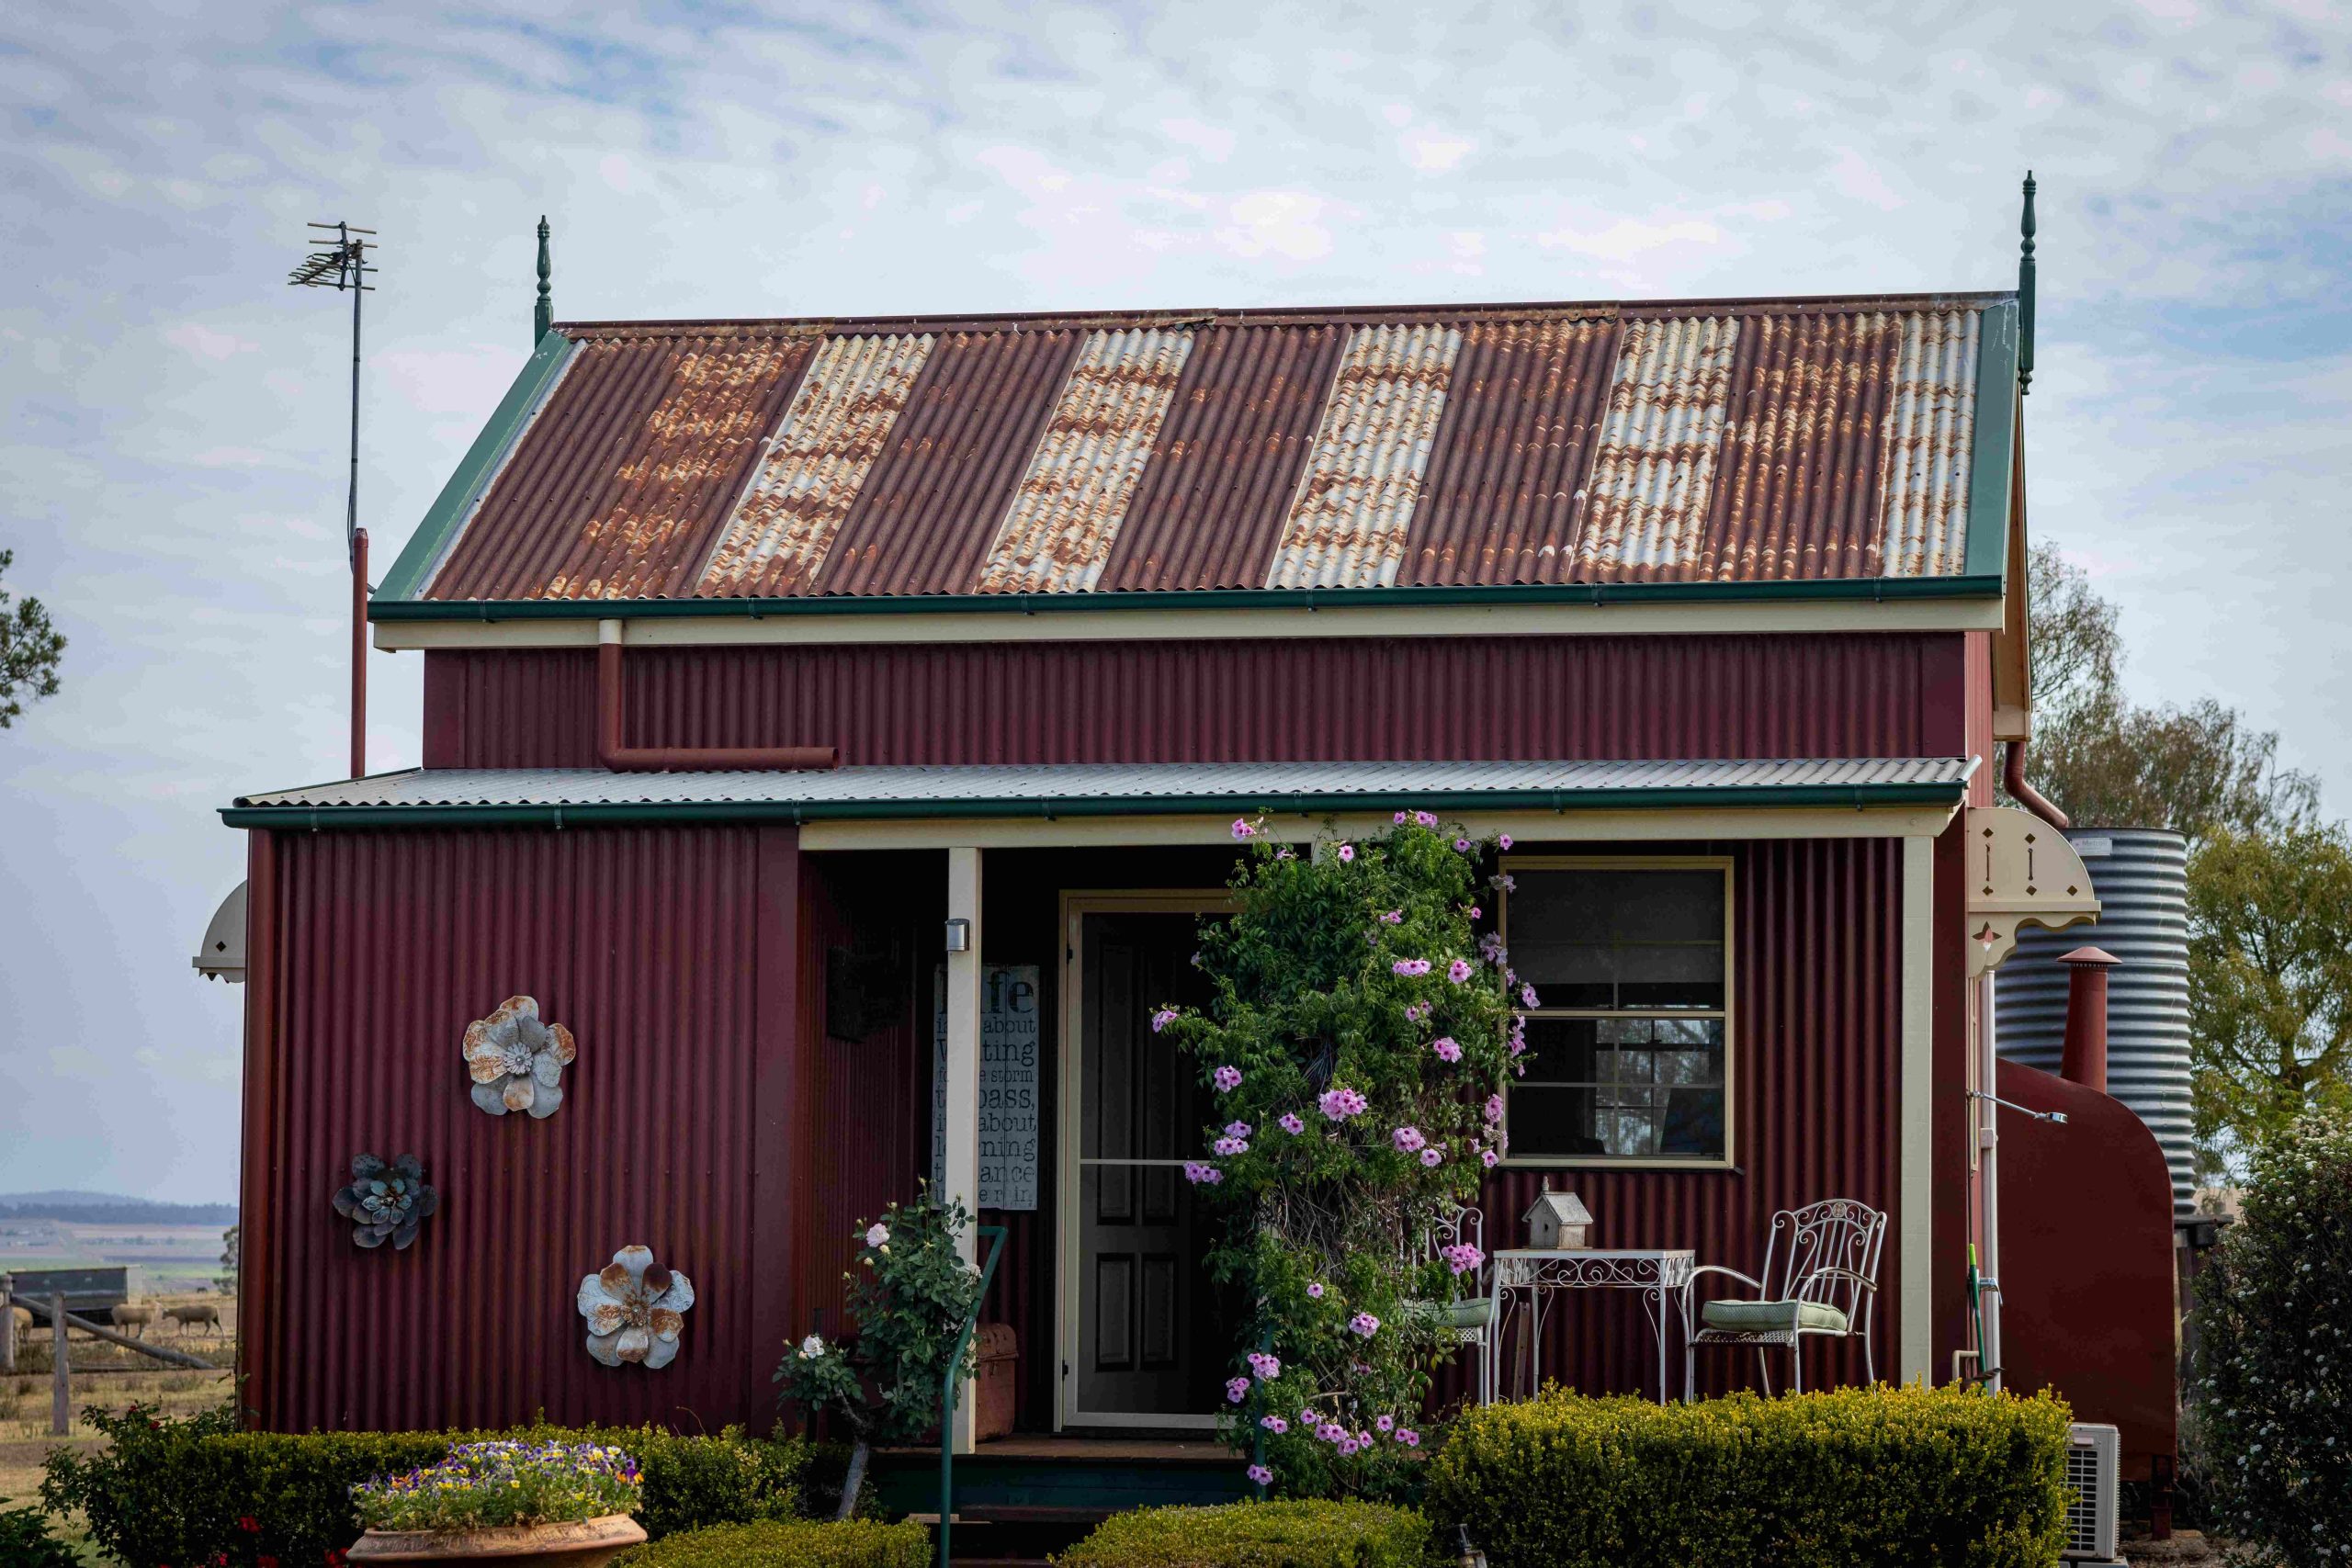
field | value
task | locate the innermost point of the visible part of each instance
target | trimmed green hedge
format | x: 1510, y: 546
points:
x: 185, y: 1491
x: 1256, y: 1535
x: 1912, y: 1475
x: 789, y: 1543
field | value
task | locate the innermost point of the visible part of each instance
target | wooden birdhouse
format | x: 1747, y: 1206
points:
x: 1558, y: 1221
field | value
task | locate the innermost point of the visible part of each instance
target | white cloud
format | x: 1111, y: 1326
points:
x: 1277, y: 223
x: 1434, y: 151
x: 205, y: 343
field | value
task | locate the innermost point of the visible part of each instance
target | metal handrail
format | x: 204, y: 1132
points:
x: 947, y: 1390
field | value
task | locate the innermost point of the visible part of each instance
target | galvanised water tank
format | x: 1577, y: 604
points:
x: 2142, y: 878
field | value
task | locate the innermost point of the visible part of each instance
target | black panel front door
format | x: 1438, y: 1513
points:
x: 1150, y: 1342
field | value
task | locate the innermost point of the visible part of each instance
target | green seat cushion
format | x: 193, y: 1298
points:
x: 1770, y: 1317
x: 1472, y: 1313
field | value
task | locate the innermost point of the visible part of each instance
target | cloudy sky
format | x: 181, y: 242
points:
x: 171, y: 417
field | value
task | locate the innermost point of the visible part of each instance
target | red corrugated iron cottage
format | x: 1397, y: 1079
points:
x: 760, y: 653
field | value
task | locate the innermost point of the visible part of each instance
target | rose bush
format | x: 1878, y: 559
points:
x: 1359, y: 1035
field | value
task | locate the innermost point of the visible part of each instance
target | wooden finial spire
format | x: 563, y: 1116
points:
x: 542, y: 314
x: 2025, y: 290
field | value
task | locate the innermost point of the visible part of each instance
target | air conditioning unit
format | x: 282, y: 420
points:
x: 2094, y: 1458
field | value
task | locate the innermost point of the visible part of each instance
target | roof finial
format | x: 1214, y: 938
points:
x: 2025, y: 290
x: 542, y: 314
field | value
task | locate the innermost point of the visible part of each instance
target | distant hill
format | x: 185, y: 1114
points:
x: 111, y: 1209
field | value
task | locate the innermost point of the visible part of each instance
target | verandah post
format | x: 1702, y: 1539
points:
x: 961, y: 1111
x: 60, y: 1375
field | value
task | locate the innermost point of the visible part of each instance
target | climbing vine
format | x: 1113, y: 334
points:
x: 1354, y: 1047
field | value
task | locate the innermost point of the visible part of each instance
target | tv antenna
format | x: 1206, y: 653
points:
x: 340, y: 261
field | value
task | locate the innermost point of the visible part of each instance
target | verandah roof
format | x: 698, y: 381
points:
x: 582, y: 796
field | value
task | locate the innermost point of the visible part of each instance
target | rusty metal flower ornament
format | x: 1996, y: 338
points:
x: 635, y: 1309
x: 517, y: 1061
x: 386, y: 1202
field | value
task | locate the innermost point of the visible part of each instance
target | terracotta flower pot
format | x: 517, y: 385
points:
x: 589, y: 1544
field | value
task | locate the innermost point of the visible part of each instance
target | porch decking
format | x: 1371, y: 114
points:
x: 1033, y: 1494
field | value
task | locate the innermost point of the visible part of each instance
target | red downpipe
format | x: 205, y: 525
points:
x: 2024, y: 794
x: 678, y: 759
x: 359, y: 654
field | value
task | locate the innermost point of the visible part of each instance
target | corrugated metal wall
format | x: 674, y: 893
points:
x: 1817, y: 1034
x: 1368, y: 699
x: 672, y: 955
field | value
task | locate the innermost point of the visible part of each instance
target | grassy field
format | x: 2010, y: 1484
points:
x: 111, y: 1378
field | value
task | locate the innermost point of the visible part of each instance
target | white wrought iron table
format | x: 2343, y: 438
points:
x: 1660, y: 1274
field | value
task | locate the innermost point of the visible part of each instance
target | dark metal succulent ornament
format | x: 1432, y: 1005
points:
x: 636, y: 1310
x: 517, y: 1061
x: 386, y: 1201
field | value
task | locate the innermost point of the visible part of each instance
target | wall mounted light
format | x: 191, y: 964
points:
x: 959, y: 936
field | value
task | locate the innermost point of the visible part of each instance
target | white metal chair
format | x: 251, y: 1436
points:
x: 1468, y: 1318
x: 1826, y: 1255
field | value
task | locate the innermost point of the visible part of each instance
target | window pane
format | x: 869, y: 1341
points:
x: 1614, y: 939
x: 1626, y: 1087
x: 1551, y: 1124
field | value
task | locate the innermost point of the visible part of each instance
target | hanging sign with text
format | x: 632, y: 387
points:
x: 1011, y: 1041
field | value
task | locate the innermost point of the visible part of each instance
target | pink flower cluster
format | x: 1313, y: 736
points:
x: 1231, y: 1146
x: 1267, y: 1367
x: 1458, y: 971
x: 1433, y: 1158
x: 1260, y: 1475
x: 1494, y: 1109
x: 1347, y: 853
x: 1365, y: 1324
x: 1410, y: 967
x: 1277, y: 1425
x: 1463, y: 846
x: 1448, y: 1049
x: 1291, y: 1122
x: 1462, y: 1257
x: 1527, y: 997
x: 1407, y: 1139
x: 1315, y: 1290
x: 1236, y: 1389
x: 1242, y: 830
x: 1201, y: 1175
x: 1227, y: 1078
x: 1338, y: 1104
x: 1162, y: 1019
x: 1418, y: 1011
x: 1392, y: 918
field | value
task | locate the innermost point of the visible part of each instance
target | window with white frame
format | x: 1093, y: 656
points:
x: 1629, y: 1056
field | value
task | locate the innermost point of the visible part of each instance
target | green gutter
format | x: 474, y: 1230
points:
x: 1858, y: 797
x: 455, y: 504
x: 1990, y: 462
x: 1597, y: 594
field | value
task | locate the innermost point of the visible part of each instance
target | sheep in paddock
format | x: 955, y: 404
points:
x: 203, y: 1314
x: 133, y: 1319
x: 24, y: 1321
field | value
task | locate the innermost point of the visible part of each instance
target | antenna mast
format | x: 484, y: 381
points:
x: 341, y: 262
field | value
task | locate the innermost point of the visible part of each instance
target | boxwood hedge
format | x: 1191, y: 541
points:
x: 1256, y: 1535
x: 197, y: 1489
x: 1912, y: 1475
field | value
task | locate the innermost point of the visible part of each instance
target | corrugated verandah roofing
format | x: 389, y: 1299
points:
x: 1089, y: 788
x: 1715, y: 441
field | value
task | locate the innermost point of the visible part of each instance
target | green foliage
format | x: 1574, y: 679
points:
x: 31, y: 648
x: 25, y: 1541
x: 1356, y: 1046
x: 2106, y: 762
x: 2270, y: 983
x: 909, y: 1293
x: 789, y: 1543
x: 1257, y: 1535
x: 175, y: 1491
x: 2270, y: 1397
x: 494, y: 1485
x: 1910, y: 1475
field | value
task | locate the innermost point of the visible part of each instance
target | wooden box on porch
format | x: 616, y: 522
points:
x: 1000, y: 1354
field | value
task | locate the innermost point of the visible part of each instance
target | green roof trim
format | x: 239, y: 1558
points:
x: 1855, y: 797
x: 458, y: 497
x: 1991, y: 463
x: 1846, y: 590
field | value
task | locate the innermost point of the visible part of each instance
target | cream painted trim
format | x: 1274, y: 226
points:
x: 1728, y: 1012
x: 1916, y: 1185
x: 962, y: 1110
x: 1076, y: 904
x: 1626, y: 826
x: 1683, y: 617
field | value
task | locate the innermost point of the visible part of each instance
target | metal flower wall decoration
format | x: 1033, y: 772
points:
x: 386, y: 1202
x: 635, y: 1309
x: 517, y: 1061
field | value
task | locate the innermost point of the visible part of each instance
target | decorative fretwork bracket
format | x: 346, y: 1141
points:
x: 2022, y: 871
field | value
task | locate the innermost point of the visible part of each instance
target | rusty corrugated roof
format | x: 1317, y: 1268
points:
x: 1706, y: 442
